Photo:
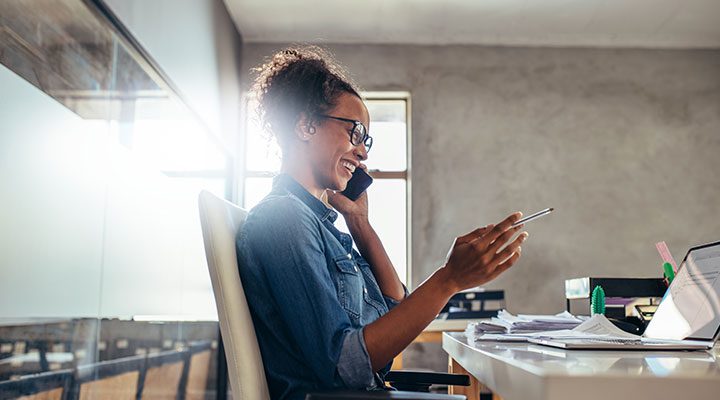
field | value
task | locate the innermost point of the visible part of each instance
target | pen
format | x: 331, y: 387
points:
x: 665, y: 254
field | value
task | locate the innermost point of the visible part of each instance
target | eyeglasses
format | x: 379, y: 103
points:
x: 358, y: 134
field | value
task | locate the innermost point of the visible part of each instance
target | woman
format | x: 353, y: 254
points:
x: 326, y: 316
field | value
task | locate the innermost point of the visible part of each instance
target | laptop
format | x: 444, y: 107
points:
x: 687, y: 318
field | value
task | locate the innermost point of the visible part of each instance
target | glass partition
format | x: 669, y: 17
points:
x: 101, y: 256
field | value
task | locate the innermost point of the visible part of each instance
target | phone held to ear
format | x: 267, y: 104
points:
x: 357, y: 184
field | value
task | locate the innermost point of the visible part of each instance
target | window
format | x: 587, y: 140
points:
x: 387, y: 162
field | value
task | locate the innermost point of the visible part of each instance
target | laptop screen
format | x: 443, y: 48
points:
x: 690, y: 308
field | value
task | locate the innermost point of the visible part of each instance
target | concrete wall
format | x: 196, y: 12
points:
x: 625, y: 144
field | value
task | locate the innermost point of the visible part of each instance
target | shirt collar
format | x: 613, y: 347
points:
x: 286, y: 182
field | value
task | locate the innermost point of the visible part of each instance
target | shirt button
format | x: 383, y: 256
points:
x: 356, y: 270
x: 349, y: 256
x: 365, y: 290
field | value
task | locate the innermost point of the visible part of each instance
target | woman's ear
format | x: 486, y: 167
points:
x: 304, y: 129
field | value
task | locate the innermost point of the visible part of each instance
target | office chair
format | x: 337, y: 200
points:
x: 164, y: 373
x: 43, y: 386
x: 112, y: 379
x: 197, y: 374
x: 220, y: 221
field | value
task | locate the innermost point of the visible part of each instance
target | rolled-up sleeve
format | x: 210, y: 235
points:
x: 291, y: 252
x: 354, y: 365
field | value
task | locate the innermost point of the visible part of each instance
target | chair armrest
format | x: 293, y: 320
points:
x: 385, y: 395
x: 426, y: 378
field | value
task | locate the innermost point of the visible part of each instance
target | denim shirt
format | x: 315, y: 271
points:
x: 310, y: 294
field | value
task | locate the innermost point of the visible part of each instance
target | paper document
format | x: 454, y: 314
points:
x: 505, y: 322
x: 514, y: 327
x: 561, y: 318
x: 597, y: 326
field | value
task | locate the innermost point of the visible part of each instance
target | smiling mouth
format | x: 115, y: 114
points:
x: 348, y: 165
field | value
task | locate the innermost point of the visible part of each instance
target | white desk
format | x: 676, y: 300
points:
x: 521, y: 371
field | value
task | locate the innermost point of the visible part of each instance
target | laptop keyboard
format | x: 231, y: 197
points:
x: 613, y: 341
x: 605, y: 340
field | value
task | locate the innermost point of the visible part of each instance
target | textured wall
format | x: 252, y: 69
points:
x: 625, y: 144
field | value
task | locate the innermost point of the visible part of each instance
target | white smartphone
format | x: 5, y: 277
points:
x: 533, y: 216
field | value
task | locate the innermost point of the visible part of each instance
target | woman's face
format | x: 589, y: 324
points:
x: 332, y: 156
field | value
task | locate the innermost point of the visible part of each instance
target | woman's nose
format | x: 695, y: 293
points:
x: 361, y: 152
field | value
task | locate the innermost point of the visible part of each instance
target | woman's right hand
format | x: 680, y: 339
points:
x: 483, y: 254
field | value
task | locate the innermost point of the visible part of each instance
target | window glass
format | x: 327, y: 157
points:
x: 255, y: 190
x: 170, y: 139
x: 262, y: 152
x: 389, y: 150
x: 388, y: 127
x: 216, y: 186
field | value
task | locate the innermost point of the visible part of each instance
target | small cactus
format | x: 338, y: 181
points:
x: 669, y: 273
x: 597, y: 302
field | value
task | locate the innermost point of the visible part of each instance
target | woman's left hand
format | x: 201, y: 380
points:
x: 348, y: 208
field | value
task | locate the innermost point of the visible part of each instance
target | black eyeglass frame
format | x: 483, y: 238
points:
x: 366, y: 140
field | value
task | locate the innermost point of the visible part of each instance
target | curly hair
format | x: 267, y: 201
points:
x: 301, y: 79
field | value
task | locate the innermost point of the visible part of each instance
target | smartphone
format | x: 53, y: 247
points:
x: 533, y: 216
x: 357, y: 184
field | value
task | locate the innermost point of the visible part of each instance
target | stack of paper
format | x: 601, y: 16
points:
x: 597, y: 326
x: 507, y: 323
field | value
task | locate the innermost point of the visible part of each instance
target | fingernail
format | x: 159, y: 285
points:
x: 519, y: 250
x: 525, y: 235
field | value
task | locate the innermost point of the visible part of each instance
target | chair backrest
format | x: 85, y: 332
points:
x: 197, y: 376
x: 112, y: 379
x: 43, y: 386
x: 221, y: 221
x: 163, y: 375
